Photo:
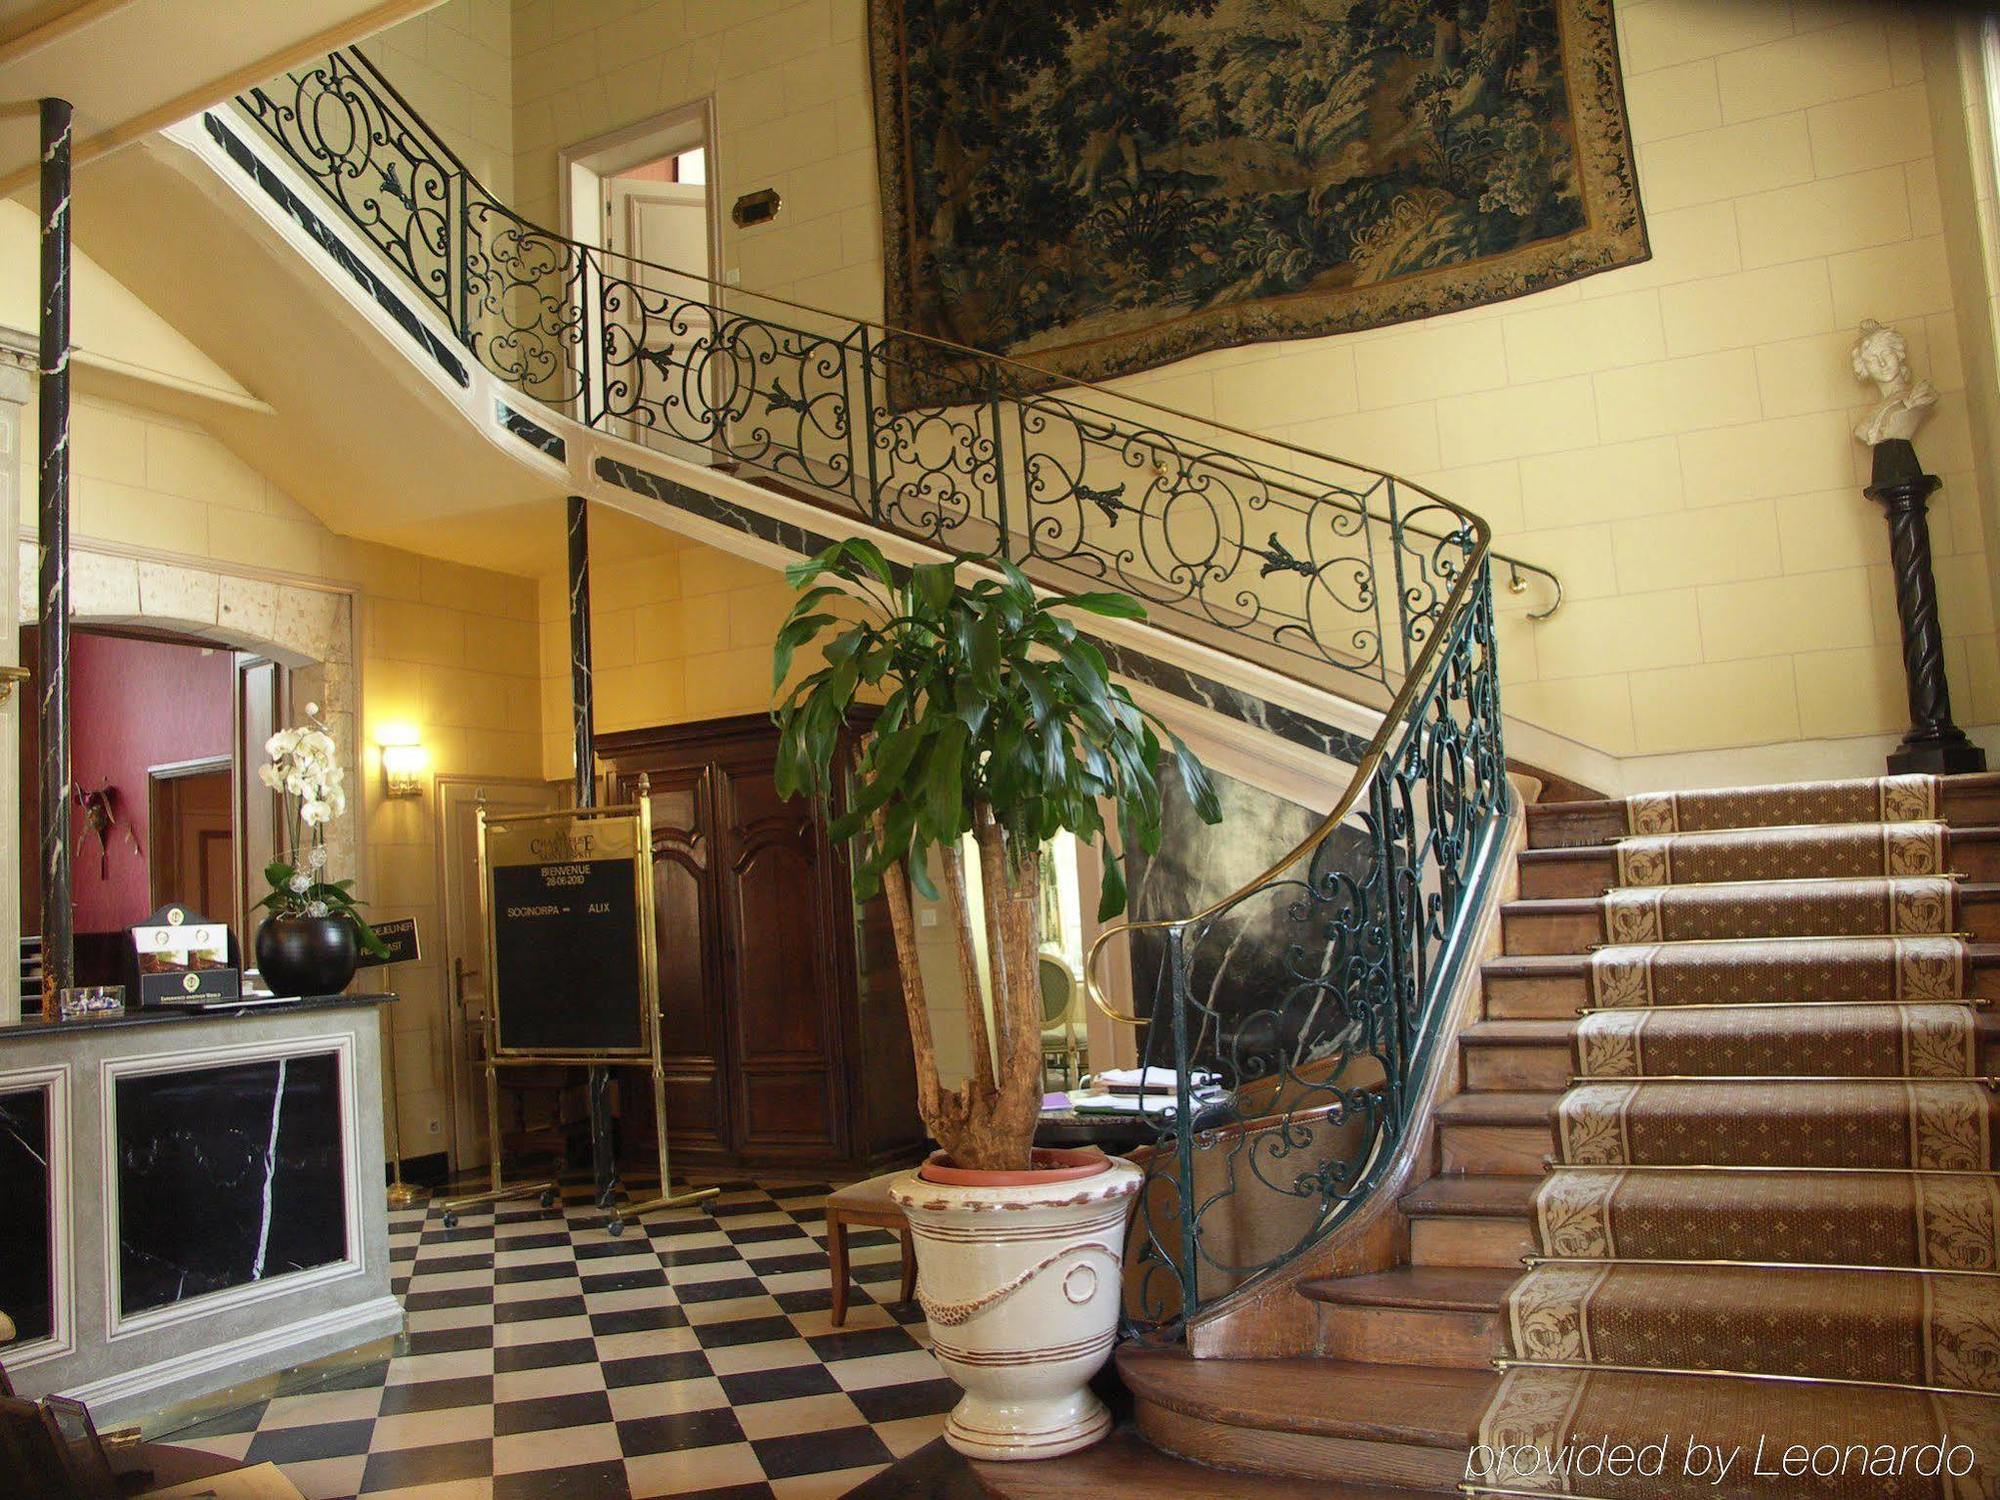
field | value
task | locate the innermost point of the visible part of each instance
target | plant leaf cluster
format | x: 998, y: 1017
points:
x: 990, y: 697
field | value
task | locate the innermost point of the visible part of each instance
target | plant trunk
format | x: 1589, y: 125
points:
x: 987, y: 1123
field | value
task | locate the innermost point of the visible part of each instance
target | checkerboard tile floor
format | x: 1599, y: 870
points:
x: 692, y: 1356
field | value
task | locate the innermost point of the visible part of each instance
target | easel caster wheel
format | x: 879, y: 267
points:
x: 548, y: 1197
x: 615, y: 1227
x: 450, y: 1219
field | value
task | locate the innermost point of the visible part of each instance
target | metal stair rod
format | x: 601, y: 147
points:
x: 52, y: 713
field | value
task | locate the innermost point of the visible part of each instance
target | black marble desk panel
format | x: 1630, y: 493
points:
x: 227, y: 1176
x: 27, y: 1283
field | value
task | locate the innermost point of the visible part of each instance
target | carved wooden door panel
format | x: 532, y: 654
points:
x: 780, y: 990
x: 693, y: 1040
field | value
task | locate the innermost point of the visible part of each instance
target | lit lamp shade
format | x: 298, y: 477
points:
x: 403, y: 767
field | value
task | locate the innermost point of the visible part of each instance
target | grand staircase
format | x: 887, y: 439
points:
x: 1728, y: 1097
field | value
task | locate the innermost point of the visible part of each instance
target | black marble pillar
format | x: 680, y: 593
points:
x: 1934, y: 743
x: 227, y: 1176
x: 58, y: 941
x: 603, y: 1155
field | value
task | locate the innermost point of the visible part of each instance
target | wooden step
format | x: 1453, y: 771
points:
x: 1969, y: 800
x: 1558, y: 985
x: 1508, y: 1134
x: 1471, y: 1220
x: 1122, y: 1467
x: 1575, y: 924
x: 1593, y: 870
x: 1505, y: 1056
x: 1413, y: 1315
x: 1311, y: 1418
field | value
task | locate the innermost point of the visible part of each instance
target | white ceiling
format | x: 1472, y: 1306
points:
x: 131, y: 66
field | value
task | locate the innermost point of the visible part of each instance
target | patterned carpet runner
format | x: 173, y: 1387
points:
x: 1776, y: 1159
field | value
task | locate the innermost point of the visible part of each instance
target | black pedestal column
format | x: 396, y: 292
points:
x: 1934, y: 743
x: 603, y: 1158
x: 52, y: 707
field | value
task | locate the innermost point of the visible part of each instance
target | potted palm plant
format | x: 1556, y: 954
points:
x: 999, y: 725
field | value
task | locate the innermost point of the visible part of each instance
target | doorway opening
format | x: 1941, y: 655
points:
x: 646, y: 197
x: 166, y: 809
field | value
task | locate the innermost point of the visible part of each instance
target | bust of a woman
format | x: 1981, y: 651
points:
x: 1883, y: 356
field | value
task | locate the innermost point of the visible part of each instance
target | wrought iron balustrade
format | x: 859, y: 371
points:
x: 1320, y: 569
x: 1250, y: 545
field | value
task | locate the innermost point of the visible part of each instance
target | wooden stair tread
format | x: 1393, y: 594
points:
x: 1414, y: 1404
x: 1584, y: 853
x: 1971, y: 795
x: 1534, y: 1031
x: 1473, y: 1196
x: 1477, y: 1289
x: 1971, y: 891
x: 1523, y: 1107
x: 1127, y: 1467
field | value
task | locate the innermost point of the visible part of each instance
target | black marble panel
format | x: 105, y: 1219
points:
x: 531, y: 432
x: 226, y: 1176
x: 27, y: 1261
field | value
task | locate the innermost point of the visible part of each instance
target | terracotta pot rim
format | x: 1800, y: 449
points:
x: 1051, y: 1164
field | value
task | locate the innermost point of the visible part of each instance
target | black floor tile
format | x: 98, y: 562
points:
x: 436, y: 1395
x: 778, y: 1385
x: 726, y: 1290
x: 892, y: 1403
x: 743, y: 1331
x: 450, y: 1340
x: 508, y: 1359
x: 535, y: 1309
x: 599, y: 1481
x: 292, y: 1445
x: 399, y: 1468
x: 651, y: 1369
x: 858, y: 1343
x: 637, y: 1320
x: 541, y: 1413
x: 678, y: 1431
x: 818, y: 1452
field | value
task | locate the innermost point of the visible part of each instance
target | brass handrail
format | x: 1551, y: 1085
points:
x: 1414, y: 681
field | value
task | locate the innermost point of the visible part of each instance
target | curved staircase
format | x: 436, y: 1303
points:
x: 1758, y: 1139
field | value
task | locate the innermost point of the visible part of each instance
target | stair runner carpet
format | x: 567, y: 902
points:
x: 1769, y: 1239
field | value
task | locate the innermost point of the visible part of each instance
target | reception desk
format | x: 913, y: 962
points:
x: 188, y: 1201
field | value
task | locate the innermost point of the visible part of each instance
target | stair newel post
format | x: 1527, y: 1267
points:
x: 58, y: 941
x: 1934, y: 743
x: 603, y: 1160
x: 1190, y: 1263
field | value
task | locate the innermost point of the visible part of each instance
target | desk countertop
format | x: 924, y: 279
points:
x: 35, y: 1026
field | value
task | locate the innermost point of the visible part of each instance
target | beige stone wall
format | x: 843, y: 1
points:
x: 676, y: 636
x: 1672, y: 437
x: 455, y: 65
x: 448, y: 649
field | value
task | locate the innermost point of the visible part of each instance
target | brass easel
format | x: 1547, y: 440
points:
x: 639, y: 818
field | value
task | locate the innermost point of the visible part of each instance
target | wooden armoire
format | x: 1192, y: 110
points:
x: 782, y: 1017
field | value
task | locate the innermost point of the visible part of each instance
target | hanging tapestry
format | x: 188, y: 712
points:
x: 1100, y: 186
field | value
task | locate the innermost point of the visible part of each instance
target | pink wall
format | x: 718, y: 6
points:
x: 135, y: 704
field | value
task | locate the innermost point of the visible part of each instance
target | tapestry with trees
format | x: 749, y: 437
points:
x: 1100, y: 186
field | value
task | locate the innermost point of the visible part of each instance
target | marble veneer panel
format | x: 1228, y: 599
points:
x: 27, y: 1249
x: 227, y: 1176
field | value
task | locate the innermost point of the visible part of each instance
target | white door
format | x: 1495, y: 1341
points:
x: 652, y: 230
x: 465, y: 942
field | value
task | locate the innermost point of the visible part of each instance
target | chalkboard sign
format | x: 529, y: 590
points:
x: 568, y: 901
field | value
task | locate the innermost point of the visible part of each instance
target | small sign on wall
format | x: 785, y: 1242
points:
x: 399, y: 936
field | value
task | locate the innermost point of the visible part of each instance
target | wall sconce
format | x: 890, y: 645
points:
x: 404, y: 761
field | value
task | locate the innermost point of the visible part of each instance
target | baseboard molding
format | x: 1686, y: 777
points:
x: 188, y: 1375
x: 1740, y: 765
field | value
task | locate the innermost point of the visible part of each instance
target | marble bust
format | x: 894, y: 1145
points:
x: 1883, y: 356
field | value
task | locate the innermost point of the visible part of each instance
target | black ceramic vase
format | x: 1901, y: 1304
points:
x: 307, y: 955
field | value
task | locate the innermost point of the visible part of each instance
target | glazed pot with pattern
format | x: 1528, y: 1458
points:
x: 1020, y: 1278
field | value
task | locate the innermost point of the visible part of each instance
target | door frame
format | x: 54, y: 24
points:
x: 582, y: 165
x: 182, y: 770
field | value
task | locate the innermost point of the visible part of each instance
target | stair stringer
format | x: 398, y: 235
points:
x: 1269, y: 1319
x: 1284, y: 736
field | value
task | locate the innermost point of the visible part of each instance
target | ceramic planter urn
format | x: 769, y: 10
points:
x: 307, y: 955
x: 1019, y: 1275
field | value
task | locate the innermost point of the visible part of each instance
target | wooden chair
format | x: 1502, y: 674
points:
x: 866, y: 1203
